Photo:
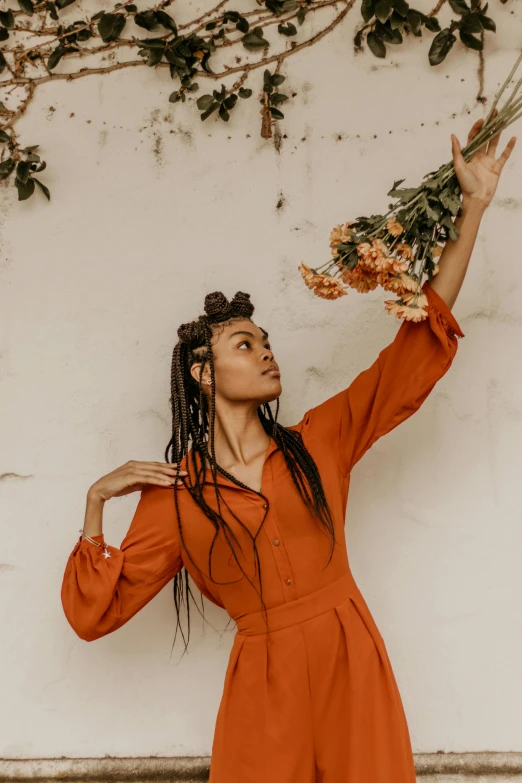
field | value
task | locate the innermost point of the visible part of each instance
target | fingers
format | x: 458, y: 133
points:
x: 163, y: 473
x: 507, y: 152
x: 474, y: 130
x: 458, y: 158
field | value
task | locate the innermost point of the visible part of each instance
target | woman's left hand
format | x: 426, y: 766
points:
x: 479, y: 177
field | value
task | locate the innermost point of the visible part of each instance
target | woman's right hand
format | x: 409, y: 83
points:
x: 134, y: 476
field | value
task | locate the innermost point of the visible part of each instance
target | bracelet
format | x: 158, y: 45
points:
x: 105, y: 553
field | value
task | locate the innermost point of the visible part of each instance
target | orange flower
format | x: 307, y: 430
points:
x: 360, y: 279
x: 325, y: 286
x: 374, y: 256
x: 310, y: 278
x: 394, y: 227
x: 409, y: 296
x: 329, y: 288
x: 404, y: 251
x: 400, y: 283
x: 340, y: 233
x: 397, y: 308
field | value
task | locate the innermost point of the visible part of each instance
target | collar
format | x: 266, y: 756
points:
x: 220, y: 478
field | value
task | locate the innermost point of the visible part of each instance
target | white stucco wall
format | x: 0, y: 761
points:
x: 151, y: 209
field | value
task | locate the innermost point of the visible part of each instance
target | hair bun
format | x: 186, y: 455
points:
x: 217, y: 305
x: 191, y: 332
x: 241, y: 304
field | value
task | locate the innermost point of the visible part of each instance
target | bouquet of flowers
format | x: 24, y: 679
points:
x: 395, y: 250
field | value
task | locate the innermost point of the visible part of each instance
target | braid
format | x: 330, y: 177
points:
x: 193, y: 425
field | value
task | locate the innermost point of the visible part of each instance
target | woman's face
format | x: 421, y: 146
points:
x: 242, y: 358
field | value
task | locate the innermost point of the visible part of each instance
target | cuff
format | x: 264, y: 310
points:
x: 436, y: 301
x: 99, y: 538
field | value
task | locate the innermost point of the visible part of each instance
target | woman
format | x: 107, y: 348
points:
x: 257, y: 520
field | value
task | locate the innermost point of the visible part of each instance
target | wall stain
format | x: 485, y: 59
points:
x: 281, y: 202
x: 306, y: 90
x: 278, y: 138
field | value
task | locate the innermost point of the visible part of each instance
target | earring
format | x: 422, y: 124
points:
x: 209, y: 382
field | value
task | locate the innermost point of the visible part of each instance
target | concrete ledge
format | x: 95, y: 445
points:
x: 430, y: 768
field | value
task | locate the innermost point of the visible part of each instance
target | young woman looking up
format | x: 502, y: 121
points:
x: 254, y: 512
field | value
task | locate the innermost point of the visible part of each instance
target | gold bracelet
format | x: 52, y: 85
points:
x: 105, y: 553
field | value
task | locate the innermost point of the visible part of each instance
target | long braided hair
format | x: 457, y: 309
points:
x: 193, y: 426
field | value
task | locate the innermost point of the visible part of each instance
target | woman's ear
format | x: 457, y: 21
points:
x: 195, y: 371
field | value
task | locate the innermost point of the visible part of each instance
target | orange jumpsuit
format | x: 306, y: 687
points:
x: 315, y: 700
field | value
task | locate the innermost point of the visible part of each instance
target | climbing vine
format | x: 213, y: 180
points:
x: 187, y: 51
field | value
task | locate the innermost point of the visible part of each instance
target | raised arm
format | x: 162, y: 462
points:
x: 390, y: 390
x: 99, y: 594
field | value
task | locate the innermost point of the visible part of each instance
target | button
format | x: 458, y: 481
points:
x: 276, y: 542
x: 288, y: 581
x: 265, y: 505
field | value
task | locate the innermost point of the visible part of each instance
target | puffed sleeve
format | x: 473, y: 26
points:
x: 390, y: 390
x: 100, y: 594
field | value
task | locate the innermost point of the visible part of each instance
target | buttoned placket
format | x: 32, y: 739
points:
x: 272, y: 531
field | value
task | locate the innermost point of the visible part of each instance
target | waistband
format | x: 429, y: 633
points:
x: 300, y: 609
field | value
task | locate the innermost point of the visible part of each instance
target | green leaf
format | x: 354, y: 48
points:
x: 367, y: 9
x: 55, y: 57
x: 290, y: 29
x: 432, y: 24
x: 470, y: 41
x: 221, y: 94
x: 51, y: 7
x: 278, y: 98
x: 488, y: 23
x: 243, y: 25
x: 110, y: 26
x: 6, y: 167
x: 401, y: 7
x: 376, y: 45
x: 414, y: 20
x: 244, y: 92
x: 471, y: 23
x: 278, y: 115
x: 230, y: 102
x: 204, y: 102
x: 215, y: 105
x: 174, y: 97
x: 276, y: 79
x: 43, y: 188
x: 383, y: 10
x: 254, y: 42
x: 27, y: 6
x: 459, y: 6
x: 223, y: 113
x: 84, y: 35
x: 231, y: 16
x: 154, y: 56
x: 7, y: 19
x: 4, y: 34
x: 193, y: 87
x: 25, y: 189
x: 148, y: 20
x: 131, y: 8
x: 301, y: 13
x: 167, y: 21
x: 440, y: 46
x: 23, y: 170
x: 64, y: 3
